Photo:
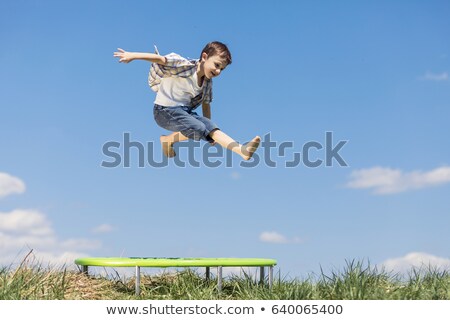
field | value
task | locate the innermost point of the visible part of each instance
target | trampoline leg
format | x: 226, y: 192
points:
x: 85, y: 270
x: 270, y: 277
x: 261, y: 275
x: 219, y: 279
x: 207, y: 274
x: 138, y: 280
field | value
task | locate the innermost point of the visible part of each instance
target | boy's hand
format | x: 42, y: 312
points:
x: 124, y: 56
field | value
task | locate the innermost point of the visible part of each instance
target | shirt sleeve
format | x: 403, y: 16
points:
x: 175, y: 66
x: 174, y: 60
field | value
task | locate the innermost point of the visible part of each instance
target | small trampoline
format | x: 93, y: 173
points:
x: 153, y: 262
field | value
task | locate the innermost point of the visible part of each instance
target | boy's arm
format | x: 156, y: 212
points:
x: 206, y: 109
x: 125, y: 56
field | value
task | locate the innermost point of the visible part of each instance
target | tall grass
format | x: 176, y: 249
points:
x: 356, y: 281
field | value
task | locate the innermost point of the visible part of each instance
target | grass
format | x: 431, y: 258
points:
x: 357, y: 280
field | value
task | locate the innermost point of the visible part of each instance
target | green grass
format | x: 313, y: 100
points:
x: 356, y: 281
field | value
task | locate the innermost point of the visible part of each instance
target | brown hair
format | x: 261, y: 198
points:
x: 217, y: 48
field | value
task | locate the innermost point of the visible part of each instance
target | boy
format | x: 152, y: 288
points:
x: 181, y: 86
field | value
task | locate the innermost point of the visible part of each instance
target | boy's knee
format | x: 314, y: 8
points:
x: 196, y: 132
x: 199, y: 127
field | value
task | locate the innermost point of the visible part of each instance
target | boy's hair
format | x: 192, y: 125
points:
x: 217, y: 48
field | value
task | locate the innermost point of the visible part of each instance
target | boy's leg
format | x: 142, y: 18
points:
x: 245, y: 151
x: 191, y: 126
x: 168, y: 141
x: 183, y: 124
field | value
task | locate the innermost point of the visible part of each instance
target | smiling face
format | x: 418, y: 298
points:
x: 213, y: 65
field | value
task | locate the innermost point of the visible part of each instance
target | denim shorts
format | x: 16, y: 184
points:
x: 185, y: 120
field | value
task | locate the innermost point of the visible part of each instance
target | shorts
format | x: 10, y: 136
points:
x: 185, y: 120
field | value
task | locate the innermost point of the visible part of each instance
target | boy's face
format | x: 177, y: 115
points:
x: 213, y: 65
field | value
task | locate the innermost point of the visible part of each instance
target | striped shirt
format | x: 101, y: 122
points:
x: 177, y: 66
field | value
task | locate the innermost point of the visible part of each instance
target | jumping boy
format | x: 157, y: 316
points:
x: 181, y: 86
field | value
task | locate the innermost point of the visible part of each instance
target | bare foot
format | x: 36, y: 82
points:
x: 167, y: 147
x: 250, y: 148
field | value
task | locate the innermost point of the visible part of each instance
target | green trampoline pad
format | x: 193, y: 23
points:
x: 174, y: 262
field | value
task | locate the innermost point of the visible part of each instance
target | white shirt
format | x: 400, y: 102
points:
x: 178, y: 91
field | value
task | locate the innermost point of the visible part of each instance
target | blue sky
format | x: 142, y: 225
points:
x: 375, y: 74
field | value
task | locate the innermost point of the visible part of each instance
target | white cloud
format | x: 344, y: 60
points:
x: 14, y: 243
x: 23, y: 230
x: 275, y: 237
x: 272, y: 237
x: 387, y: 181
x: 429, y: 76
x: 10, y: 185
x: 416, y: 260
x: 29, y: 222
x: 235, y: 175
x: 80, y: 244
x: 53, y: 259
x: 103, y: 228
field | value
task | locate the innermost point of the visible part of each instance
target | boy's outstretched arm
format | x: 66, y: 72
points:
x: 126, y: 57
